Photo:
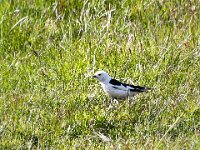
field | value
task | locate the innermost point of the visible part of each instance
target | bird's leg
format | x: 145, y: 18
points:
x: 110, y: 103
x: 113, y: 101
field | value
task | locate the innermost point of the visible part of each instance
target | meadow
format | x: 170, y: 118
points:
x: 50, y: 49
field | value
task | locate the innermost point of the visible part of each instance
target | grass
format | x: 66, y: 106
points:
x: 49, y: 49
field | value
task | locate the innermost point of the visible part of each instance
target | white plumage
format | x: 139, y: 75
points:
x: 116, y: 89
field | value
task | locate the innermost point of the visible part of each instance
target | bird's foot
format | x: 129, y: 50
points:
x: 115, y: 101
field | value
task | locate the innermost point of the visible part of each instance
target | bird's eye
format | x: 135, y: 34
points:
x: 99, y: 74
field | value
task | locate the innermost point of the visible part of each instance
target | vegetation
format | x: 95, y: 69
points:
x: 50, y: 49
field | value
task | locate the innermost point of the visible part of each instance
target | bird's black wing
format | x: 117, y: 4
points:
x: 136, y: 88
x: 115, y: 82
x: 117, y: 85
x: 132, y: 88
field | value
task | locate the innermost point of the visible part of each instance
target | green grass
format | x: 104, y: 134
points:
x: 48, y: 49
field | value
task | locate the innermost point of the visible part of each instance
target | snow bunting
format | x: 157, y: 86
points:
x: 116, y: 89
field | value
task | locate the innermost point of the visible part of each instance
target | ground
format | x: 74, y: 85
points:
x: 49, y: 50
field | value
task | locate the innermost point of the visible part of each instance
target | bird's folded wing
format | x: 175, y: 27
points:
x: 126, y: 87
x: 121, y: 87
x: 130, y: 88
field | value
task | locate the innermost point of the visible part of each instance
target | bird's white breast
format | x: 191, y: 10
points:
x: 116, y: 93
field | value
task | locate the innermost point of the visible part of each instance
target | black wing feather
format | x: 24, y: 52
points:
x: 115, y: 82
x: 135, y: 88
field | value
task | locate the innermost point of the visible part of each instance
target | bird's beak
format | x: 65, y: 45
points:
x: 94, y: 76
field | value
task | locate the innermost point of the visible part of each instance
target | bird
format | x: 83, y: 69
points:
x: 115, y: 89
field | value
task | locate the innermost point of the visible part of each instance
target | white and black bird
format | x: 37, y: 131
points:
x: 116, y: 89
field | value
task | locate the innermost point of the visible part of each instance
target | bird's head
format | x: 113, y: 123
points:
x: 102, y: 76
